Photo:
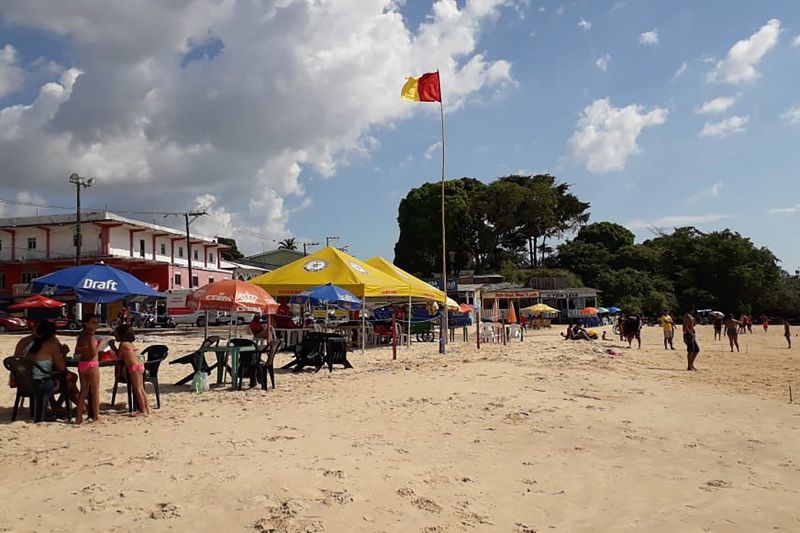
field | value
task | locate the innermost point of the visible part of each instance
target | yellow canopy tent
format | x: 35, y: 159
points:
x: 418, y: 288
x: 330, y: 265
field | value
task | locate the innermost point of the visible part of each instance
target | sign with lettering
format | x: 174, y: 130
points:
x: 105, y: 285
x: 510, y: 294
x: 452, y: 284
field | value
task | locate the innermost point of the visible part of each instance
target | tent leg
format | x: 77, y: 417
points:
x: 408, y: 317
x: 363, y: 326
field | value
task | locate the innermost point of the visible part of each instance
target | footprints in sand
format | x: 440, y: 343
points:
x: 286, y: 517
x: 165, y: 511
x: 716, y: 484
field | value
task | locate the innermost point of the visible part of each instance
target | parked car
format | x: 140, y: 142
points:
x: 10, y: 323
x: 198, y: 318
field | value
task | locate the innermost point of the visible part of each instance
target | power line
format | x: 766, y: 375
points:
x: 219, y: 221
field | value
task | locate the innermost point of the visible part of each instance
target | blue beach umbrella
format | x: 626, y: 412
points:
x: 93, y: 284
x: 328, y: 294
x: 614, y: 310
x: 602, y: 310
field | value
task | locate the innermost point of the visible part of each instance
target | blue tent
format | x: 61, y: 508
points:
x: 93, y: 284
x: 328, y: 294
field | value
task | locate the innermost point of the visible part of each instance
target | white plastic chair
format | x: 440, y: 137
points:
x: 514, y: 331
x: 488, y: 332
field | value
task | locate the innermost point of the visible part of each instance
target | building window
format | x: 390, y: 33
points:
x: 1, y: 245
x: 177, y: 278
x: 2, y: 280
x: 180, y: 251
x: 31, y: 243
x: 196, y: 257
x: 28, y: 277
x: 195, y: 281
x: 141, y: 247
x: 163, y: 249
x: 211, y: 258
x: 210, y: 279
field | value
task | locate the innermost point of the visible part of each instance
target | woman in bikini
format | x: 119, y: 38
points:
x: 88, y: 369
x: 732, y: 329
x: 126, y: 352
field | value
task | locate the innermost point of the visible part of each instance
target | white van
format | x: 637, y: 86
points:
x: 198, y: 318
x: 183, y: 315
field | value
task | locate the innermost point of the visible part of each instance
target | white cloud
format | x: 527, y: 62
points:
x: 19, y: 209
x: 723, y: 128
x: 584, y: 24
x: 740, y: 64
x: 681, y: 70
x: 792, y: 115
x: 715, y: 106
x: 676, y: 221
x: 605, y: 136
x: 649, y: 38
x: 712, y: 191
x: 285, y: 97
x: 432, y: 149
x: 781, y: 210
x: 796, y: 41
x: 11, y: 74
x: 602, y: 62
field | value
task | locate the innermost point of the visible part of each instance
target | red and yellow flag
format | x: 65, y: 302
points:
x: 423, y: 89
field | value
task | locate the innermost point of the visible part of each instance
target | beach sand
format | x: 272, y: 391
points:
x: 543, y: 435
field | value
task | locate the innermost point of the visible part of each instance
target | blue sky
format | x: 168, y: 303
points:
x: 608, y: 96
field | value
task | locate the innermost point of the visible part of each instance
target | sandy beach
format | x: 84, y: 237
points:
x: 543, y: 435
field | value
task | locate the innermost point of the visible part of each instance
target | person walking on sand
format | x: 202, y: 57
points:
x: 748, y: 323
x: 765, y: 323
x: 88, y: 369
x: 690, y: 338
x: 732, y: 327
x: 717, y: 328
x: 669, y: 329
x: 633, y: 328
x: 787, y: 332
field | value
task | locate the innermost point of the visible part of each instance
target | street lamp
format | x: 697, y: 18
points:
x: 79, y: 181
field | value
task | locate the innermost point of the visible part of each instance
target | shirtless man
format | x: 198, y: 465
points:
x: 690, y: 338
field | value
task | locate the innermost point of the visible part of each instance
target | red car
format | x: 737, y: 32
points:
x: 10, y: 323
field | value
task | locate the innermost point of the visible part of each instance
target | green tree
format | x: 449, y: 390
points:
x: 419, y: 246
x: 232, y: 253
x: 609, y: 235
x: 289, y: 243
x: 586, y: 260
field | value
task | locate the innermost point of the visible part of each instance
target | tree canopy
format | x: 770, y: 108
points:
x: 486, y: 225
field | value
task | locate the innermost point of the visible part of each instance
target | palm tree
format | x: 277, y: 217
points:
x: 288, y: 244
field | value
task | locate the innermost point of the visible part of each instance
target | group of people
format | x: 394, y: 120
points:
x: 50, y: 373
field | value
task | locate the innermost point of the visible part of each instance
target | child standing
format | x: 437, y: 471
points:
x: 126, y: 352
x: 88, y: 369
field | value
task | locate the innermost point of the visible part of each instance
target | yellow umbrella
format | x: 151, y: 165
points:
x: 539, y: 309
x: 330, y: 265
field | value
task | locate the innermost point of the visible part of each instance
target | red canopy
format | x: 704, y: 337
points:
x: 37, y: 301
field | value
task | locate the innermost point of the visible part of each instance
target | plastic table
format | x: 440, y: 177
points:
x: 221, y: 352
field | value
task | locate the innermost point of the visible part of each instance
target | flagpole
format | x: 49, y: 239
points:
x: 444, y: 325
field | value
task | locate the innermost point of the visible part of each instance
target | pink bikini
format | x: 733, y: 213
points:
x: 84, y: 366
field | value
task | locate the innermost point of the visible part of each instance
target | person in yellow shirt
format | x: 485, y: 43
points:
x: 668, y: 326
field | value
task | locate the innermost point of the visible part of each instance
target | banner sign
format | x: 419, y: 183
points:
x: 510, y: 294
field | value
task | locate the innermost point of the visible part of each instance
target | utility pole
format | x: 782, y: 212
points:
x: 306, y: 245
x: 330, y: 238
x: 79, y: 181
x: 194, y: 215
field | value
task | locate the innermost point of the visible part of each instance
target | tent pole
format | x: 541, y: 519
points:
x: 363, y: 325
x: 408, y: 317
